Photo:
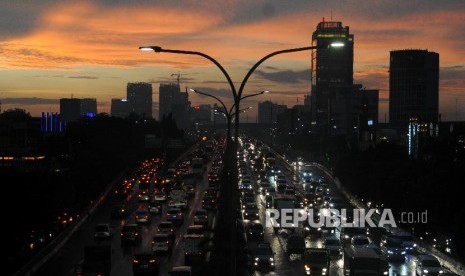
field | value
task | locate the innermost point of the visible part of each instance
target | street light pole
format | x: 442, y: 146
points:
x: 228, y: 115
x: 229, y: 193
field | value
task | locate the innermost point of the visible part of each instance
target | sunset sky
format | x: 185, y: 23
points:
x: 52, y: 49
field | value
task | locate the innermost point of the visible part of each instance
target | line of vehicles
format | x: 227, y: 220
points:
x: 359, y: 250
x: 164, y: 195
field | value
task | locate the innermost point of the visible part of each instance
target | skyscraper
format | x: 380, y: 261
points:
x: 173, y: 101
x: 119, y: 108
x: 413, y: 87
x: 167, y: 97
x: 88, y: 107
x: 70, y: 109
x: 332, y: 72
x: 139, y: 95
x: 268, y: 112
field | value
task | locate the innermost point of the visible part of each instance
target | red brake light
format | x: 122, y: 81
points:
x: 152, y: 261
x: 136, y: 261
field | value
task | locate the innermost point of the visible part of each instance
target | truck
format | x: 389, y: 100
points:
x: 194, y: 252
x: 97, y: 261
x: 280, y: 202
x: 197, y: 167
x: 364, y: 261
x: 316, y: 261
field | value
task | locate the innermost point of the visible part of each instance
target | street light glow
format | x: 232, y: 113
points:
x: 337, y: 44
x: 156, y: 49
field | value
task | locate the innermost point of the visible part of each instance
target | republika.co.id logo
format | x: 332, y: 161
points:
x: 289, y: 218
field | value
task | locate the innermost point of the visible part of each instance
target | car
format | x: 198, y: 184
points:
x: 181, y: 204
x: 348, y: 232
x: 103, y: 231
x: 162, y: 243
x: 155, y: 208
x: 201, y: 217
x: 143, y: 195
x: 316, y: 261
x: 359, y: 241
x: 281, y: 186
x: 209, y: 202
x: 131, y: 233
x: 118, y: 211
x: 392, y: 249
x: 255, y: 231
x: 175, y: 215
x: 428, y: 265
x: 251, y: 212
x: 295, y: 244
x: 247, y: 200
x: 264, y: 185
x: 145, y: 263
x: 159, y: 196
x: 190, y: 190
x: 166, y: 227
x: 180, y: 271
x: 263, y: 257
x: 289, y: 190
x: 143, y: 216
x: 408, y: 243
x: 197, y: 231
x: 334, y: 246
x: 245, y: 184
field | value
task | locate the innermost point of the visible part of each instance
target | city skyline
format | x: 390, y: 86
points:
x: 89, y: 49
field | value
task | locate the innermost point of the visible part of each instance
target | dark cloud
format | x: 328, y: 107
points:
x: 452, y: 73
x: 48, y: 76
x: 84, y: 77
x: 286, y: 76
x: 29, y: 101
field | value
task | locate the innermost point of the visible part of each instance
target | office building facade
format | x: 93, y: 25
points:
x: 413, y: 87
x: 332, y: 73
x: 139, y: 96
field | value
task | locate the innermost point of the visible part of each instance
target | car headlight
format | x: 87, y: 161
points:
x: 390, y: 252
x: 256, y: 259
x: 425, y: 271
x: 440, y: 271
x: 307, y: 267
x: 324, y: 269
x: 385, y: 273
x: 271, y: 260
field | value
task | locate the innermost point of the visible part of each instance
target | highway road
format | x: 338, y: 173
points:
x: 293, y: 265
x: 65, y: 261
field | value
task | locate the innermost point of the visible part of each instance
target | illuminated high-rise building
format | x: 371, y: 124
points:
x: 332, y: 74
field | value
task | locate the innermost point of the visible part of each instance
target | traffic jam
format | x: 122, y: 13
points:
x: 162, y: 220
x: 268, y: 182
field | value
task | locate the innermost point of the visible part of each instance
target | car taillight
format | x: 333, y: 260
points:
x: 136, y: 261
x: 158, y: 230
x: 152, y: 261
x: 122, y: 234
x: 167, y: 242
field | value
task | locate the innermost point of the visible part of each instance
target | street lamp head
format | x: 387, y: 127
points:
x: 337, y: 44
x: 156, y: 49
